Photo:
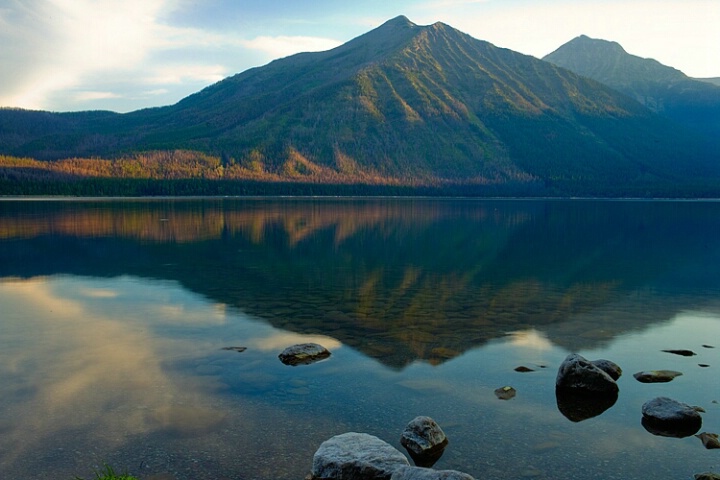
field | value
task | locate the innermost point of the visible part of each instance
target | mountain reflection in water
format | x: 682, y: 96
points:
x: 401, y: 280
x: 115, y: 315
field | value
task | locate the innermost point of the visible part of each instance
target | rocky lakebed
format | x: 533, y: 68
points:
x: 584, y: 389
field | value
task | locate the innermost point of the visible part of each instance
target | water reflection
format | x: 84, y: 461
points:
x: 391, y: 277
x: 115, y: 314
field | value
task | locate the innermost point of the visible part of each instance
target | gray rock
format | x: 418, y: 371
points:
x: 611, y: 368
x: 356, y: 456
x: 418, y: 473
x: 578, y: 374
x: 423, y: 434
x: 707, y: 476
x: 656, y: 376
x: 669, y: 418
x: 505, y: 393
x: 303, y: 354
x: 709, y: 440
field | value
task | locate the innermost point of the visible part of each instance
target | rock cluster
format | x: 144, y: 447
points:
x: 584, y: 389
x: 579, y: 375
x: 360, y: 456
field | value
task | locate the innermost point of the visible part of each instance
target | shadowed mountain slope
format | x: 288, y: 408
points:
x: 693, y: 102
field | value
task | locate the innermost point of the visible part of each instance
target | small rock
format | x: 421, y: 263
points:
x: 708, y: 346
x: 578, y: 374
x: 656, y: 376
x: 684, y: 353
x: 424, y: 440
x: 523, y: 369
x: 669, y: 418
x: 709, y: 440
x: 703, y: 365
x: 611, y: 368
x: 235, y: 349
x: 303, y: 354
x: 356, y: 456
x: 505, y: 393
x: 419, y: 473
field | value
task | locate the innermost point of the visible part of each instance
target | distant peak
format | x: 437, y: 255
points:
x: 584, y: 39
x: 399, y: 21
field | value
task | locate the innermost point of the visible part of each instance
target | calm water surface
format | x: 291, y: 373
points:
x: 114, y: 316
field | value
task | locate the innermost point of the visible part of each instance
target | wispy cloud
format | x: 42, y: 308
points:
x: 76, y: 54
x: 283, y: 46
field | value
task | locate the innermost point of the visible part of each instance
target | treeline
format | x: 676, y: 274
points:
x: 189, y: 173
x: 183, y: 173
x: 138, y: 187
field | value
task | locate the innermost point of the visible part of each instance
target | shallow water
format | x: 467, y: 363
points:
x: 114, y: 316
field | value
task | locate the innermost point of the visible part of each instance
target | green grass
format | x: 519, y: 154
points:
x: 109, y: 474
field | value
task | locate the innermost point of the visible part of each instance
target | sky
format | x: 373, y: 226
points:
x: 123, y: 55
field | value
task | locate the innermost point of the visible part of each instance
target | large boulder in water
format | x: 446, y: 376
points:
x: 356, y: 456
x: 669, y: 418
x: 577, y: 374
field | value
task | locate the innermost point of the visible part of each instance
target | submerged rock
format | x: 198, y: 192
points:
x: 669, y: 418
x: 418, y: 473
x: 356, y: 456
x: 505, y: 393
x: 235, y: 349
x: 523, y: 369
x: 578, y: 374
x: 684, y: 353
x: 656, y: 376
x: 424, y: 440
x: 303, y: 354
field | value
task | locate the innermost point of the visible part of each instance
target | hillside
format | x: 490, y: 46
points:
x: 695, y: 103
x: 404, y: 104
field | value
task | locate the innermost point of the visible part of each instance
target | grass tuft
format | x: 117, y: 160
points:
x: 109, y: 474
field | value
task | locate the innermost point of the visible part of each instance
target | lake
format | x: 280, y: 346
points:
x: 115, y: 316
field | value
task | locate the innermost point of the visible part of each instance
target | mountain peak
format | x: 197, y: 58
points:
x: 609, y: 63
x: 399, y: 21
x: 590, y: 46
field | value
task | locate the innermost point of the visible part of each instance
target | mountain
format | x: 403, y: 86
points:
x: 694, y: 103
x: 714, y: 81
x: 402, y: 103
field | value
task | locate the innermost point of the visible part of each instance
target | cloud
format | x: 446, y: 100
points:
x: 87, y: 96
x: 80, y: 54
x: 53, y: 44
x: 177, y: 74
x: 111, y: 53
x: 282, y: 46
